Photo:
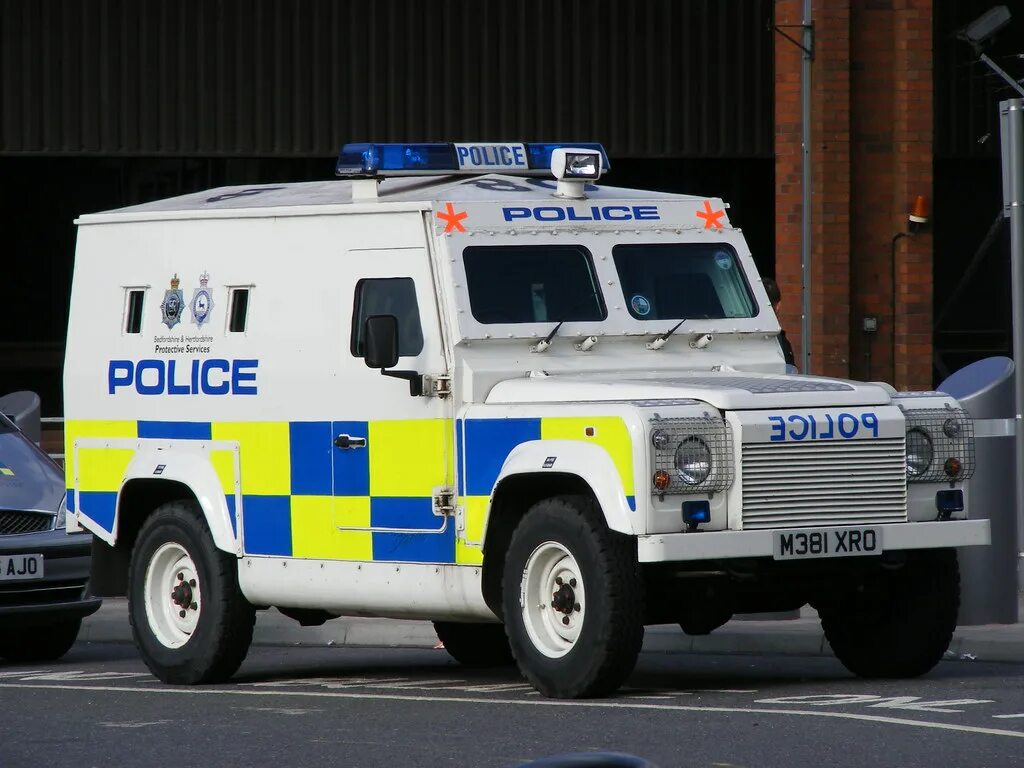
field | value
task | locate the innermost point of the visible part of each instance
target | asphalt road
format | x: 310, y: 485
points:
x: 390, y: 707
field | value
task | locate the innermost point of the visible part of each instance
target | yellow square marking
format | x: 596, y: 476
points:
x: 264, y: 454
x: 7, y: 471
x: 610, y: 433
x: 407, y: 458
x: 476, y: 513
x: 315, y: 533
x: 102, y: 469
x: 73, y: 430
x: 224, y: 465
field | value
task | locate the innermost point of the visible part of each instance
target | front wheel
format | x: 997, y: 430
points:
x: 899, y: 624
x: 43, y: 643
x: 189, y: 619
x: 572, y: 599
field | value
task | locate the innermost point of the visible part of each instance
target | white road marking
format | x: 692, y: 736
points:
x: 1019, y: 714
x: 136, y: 725
x: 282, y: 710
x: 612, y: 704
x: 871, y: 700
x: 78, y: 675
x: 20, y: 673
x: 914, y: 703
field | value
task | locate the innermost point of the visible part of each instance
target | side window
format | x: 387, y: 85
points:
x: 388, y: 296
x: 133, y: 301
x: 238, y: 309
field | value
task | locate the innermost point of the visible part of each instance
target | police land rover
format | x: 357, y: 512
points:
x: 540, y: 412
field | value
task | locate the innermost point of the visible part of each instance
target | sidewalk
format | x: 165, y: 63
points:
x: 793, y: 637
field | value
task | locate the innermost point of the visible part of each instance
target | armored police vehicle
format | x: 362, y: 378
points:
x: 466, y: 383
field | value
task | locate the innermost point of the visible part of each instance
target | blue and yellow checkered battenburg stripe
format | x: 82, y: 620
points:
x: 304, y: 498
x: 5, y: 471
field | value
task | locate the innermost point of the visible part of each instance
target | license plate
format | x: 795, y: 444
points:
x: 804, y: 544
x: 21, y: 567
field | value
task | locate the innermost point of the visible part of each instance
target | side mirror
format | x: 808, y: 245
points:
x: 380, y: 341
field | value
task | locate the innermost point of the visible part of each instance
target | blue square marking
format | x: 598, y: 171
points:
x: 175, y: 430
x: 100, y: 506
x: 351, y: 465
x: 413, y: 513
x: 311, y: 445
x: 488, y: 444
x: 267, y: 525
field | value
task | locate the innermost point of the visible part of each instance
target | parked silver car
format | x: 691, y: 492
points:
x: 44, y: 571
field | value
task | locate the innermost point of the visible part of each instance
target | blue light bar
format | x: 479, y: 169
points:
x: 517, y: 159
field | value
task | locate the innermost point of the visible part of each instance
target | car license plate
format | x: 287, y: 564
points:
x: 804, y: 544
x: 21, y: 567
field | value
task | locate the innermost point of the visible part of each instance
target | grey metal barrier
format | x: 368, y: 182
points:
x: 988, y: 575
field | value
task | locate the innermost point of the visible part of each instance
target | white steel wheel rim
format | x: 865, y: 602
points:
x: 552, y: 599
x: 171, y: 589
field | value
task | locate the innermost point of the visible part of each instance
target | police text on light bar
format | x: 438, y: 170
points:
x: 512, y: 158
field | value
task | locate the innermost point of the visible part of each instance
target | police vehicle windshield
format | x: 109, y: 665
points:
x: 671, y: 281
x: 532, y: 284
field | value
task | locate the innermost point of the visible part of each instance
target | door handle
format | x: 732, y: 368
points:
x: 345, y: 441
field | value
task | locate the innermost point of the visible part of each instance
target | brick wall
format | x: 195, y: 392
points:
x: 871, y: 151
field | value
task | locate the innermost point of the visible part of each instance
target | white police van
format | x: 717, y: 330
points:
x: 537, y: 411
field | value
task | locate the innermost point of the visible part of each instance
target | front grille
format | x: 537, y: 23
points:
x: 24, y: 522
x: 792, y: 485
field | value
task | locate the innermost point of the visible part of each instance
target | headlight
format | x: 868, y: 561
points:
x: 919, y: 452
x: 62, y: 514
x: 693, y: 461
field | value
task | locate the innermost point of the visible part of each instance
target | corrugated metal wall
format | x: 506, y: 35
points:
x: 292, y: 78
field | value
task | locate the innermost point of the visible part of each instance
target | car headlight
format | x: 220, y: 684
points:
x: 919, y: 452
x: 62, y: 514
x: 693, y: 461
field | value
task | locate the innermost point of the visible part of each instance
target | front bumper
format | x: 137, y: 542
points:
x: 62, y: 594
x: 723, y: 545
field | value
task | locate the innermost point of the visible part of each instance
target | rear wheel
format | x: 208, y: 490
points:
x: 900, y: 624
x: 475, y: 645
x: 190, y: 621
x: 573, y: 604
x: 43, y: 643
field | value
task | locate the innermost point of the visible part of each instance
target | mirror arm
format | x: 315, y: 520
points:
x: 415, y: 379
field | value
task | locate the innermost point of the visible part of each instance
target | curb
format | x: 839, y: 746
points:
x: 792, y: 637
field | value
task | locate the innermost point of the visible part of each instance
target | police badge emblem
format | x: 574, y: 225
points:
x: 173, y: 304
x: 202, y: 301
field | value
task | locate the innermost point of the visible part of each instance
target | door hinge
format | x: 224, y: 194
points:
x: 444, y: 501
x: 437, y: 386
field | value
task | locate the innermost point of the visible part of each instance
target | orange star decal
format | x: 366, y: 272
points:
x: 453, y: 219
x: 711, y: 218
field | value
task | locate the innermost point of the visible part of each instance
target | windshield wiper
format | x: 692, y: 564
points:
x: 543, y: 344
x: 659, y: 342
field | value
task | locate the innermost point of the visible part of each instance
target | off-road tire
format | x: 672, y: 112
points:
x: 40, y: 643
x: 612, y: 631
x: 475, y: 645
x: 223, y: 632
x: 901, y: 625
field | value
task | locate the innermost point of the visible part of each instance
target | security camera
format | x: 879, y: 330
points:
x: 980, y: 32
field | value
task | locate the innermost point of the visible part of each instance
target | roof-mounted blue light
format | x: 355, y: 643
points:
x: 517, y: 159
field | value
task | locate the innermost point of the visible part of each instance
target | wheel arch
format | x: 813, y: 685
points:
x: 513, y: 496
x: 184, y: 475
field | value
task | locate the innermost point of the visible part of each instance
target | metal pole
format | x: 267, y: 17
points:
x: 1011, y: 119
x: 805, y: 216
